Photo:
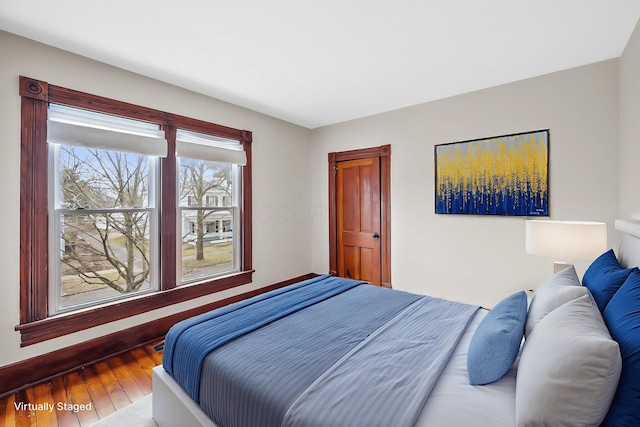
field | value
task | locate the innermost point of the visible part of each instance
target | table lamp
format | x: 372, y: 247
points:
x: 566, y: 240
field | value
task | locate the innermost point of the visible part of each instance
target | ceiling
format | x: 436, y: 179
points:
x: 320, y: 62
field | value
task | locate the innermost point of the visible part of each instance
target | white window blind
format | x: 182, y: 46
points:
x: 72, y: 126
x: 195, y: 145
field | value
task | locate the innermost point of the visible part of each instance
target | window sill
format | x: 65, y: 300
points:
x: 57, y: 326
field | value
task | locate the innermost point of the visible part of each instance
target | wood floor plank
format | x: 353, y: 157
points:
x: 99, y: 396
x: 8, y: 411
x: 61, y: 394
x: 126, y: 379
x: 116, y: 393
x: 156, y: 356
x: 45, y: 414
x: 144, y: 359
x: 87, y: 415
x: 142, y: 377
x: 22, y: 415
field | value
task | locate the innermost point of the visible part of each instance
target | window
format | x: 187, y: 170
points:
x: 116, y: 210
x: 103, y: 207
x: 208, y: 167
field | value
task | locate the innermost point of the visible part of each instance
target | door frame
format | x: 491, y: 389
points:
x: 383, y: 153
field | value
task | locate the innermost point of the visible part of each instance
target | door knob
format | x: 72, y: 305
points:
x: 376, y: 235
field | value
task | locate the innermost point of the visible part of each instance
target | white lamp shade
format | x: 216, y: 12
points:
x: 566, y: 240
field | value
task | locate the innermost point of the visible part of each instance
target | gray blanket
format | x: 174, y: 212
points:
x: 366, y: 357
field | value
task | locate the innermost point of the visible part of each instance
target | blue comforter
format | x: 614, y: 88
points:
x: 328, y: 351
x: 188, y: 342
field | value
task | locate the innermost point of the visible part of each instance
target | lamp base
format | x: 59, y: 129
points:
x: 559, y: 266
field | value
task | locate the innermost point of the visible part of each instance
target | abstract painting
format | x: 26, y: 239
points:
x: 501, y: 175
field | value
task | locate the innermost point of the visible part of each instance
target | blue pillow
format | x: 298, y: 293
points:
x: 622, y: 317
x: 604, y: 277
x: 496, y: 342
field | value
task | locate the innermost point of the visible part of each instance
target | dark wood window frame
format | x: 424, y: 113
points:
x: 35, y: 324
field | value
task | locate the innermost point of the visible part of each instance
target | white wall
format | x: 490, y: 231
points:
x: 630, y: 128
x: 481, y: 259
x: 281, y: 200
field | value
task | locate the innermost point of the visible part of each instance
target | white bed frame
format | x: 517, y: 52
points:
x: 172, y: 406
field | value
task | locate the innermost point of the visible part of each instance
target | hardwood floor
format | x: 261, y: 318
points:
x: 94, y: 391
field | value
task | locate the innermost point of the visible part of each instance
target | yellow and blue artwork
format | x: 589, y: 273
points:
x: 502, y: 175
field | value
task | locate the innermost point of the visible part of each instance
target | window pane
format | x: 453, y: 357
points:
x: 103, y: 256
x: 104, y: 207
x: 99, y: 179
x: 207, y: 243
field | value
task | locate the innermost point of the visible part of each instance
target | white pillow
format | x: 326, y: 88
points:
x: 561, y: 288
x: 569, y: 369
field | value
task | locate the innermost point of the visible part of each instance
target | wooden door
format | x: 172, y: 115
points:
x: 358, y: 219
x: 365, y: 182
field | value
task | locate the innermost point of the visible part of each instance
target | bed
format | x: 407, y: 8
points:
x: 317, y: 354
